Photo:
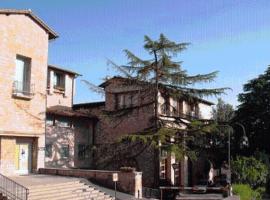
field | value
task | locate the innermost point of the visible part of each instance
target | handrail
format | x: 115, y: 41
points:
x: 23, y: 88
x: 13, y: 190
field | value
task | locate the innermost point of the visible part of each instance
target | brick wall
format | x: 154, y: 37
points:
x: 109, y: 153
x: 129, y: 182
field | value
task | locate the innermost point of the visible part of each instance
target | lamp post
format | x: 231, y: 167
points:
x: 244, y: 142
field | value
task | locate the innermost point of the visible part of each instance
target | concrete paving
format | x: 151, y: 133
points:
x: 40, y: 179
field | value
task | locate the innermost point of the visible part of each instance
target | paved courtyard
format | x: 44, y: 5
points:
x: 40, y: 179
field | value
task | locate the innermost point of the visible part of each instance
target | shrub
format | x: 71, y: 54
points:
x: 246, y: 193
x: 249, y: 170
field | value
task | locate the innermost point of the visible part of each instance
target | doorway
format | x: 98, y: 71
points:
x: 23, y: 158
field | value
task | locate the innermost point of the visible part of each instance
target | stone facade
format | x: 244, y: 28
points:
x: 22, y: 116
x: 60, y: 86
x: 129, y: 109
x: 76, y: 136
x: 69, y: 134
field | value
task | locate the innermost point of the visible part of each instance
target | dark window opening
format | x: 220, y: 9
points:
x: 59, y: 81
x: 64, y: 151
x: 48, y: 150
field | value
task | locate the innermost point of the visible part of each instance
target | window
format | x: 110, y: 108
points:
x: 124, y: 101
x: 59, y: 81
x: 48, y: 150
x: 193, y: 110
x: 22, y: 76
x: 129, y: 100
x: 50, y: 121
x: 162, y: 169
x: 64, y: 151
x: 63, y: 122
x: 165, y: 107
x: 121, y: 101
x: 82, y: 151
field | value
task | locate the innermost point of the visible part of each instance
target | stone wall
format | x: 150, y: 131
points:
x: 80, y: 132
x: 58, y: 97
x: 19, y: 117
x: 109, y: 153
x: 128, y: 182
x: 20, y: 35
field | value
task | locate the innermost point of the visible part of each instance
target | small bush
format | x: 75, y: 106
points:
x: 249, y: 170
x: 246, y: 193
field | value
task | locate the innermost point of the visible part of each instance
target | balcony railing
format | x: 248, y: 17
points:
x: 23, y: 89
x: 12, y: 190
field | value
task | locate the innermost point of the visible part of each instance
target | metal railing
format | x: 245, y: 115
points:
x: 23, y: 88
x: 12, y: 190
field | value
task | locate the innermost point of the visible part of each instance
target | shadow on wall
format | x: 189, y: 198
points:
x: 59, y: 147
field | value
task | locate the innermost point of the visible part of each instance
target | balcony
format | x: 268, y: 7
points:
x: 22, y: 90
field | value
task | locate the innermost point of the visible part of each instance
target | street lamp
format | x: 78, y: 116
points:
x: 244, y: 142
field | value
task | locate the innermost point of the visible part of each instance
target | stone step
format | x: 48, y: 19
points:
x: 32, y: 188
x: 40, y: 191
x: 64, y: 193
x: 74, y: 196
x: 72, y: 190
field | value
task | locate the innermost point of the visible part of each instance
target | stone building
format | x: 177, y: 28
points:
x: 23, y: 71
x: 129, y: 109
x: 36, y: 116
x: 68, y: 132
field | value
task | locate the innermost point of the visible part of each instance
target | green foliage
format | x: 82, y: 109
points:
x: 249, y: 170
x: 246, y: 192
x: 161, y: 73
x: 254, y: 112
x: 163, y: 69
x: 223, y: 112
x: 265, y: 158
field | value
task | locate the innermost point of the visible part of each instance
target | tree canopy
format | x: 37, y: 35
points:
x: 162, y: 72
x: 254, y: 112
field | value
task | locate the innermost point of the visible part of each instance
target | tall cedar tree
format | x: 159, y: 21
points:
x: 254, y: 113
x: 161, y: 72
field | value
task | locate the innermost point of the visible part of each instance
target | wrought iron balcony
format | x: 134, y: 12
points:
x: 23, y: 89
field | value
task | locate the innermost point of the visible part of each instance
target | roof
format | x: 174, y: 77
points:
x: 66, y: 111
x: 63, y: 70
x: 89, y: 105
x: 108, y: 81
x: 29, y: 13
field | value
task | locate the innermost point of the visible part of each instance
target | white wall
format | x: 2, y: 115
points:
x: 205, y: 111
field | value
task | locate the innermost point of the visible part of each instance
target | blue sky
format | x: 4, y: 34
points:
x: 231, y: 36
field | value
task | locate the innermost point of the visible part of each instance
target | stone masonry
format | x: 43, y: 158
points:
x: 22, y: 35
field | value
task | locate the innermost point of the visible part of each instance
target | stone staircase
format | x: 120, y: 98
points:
x: 72, y: 190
